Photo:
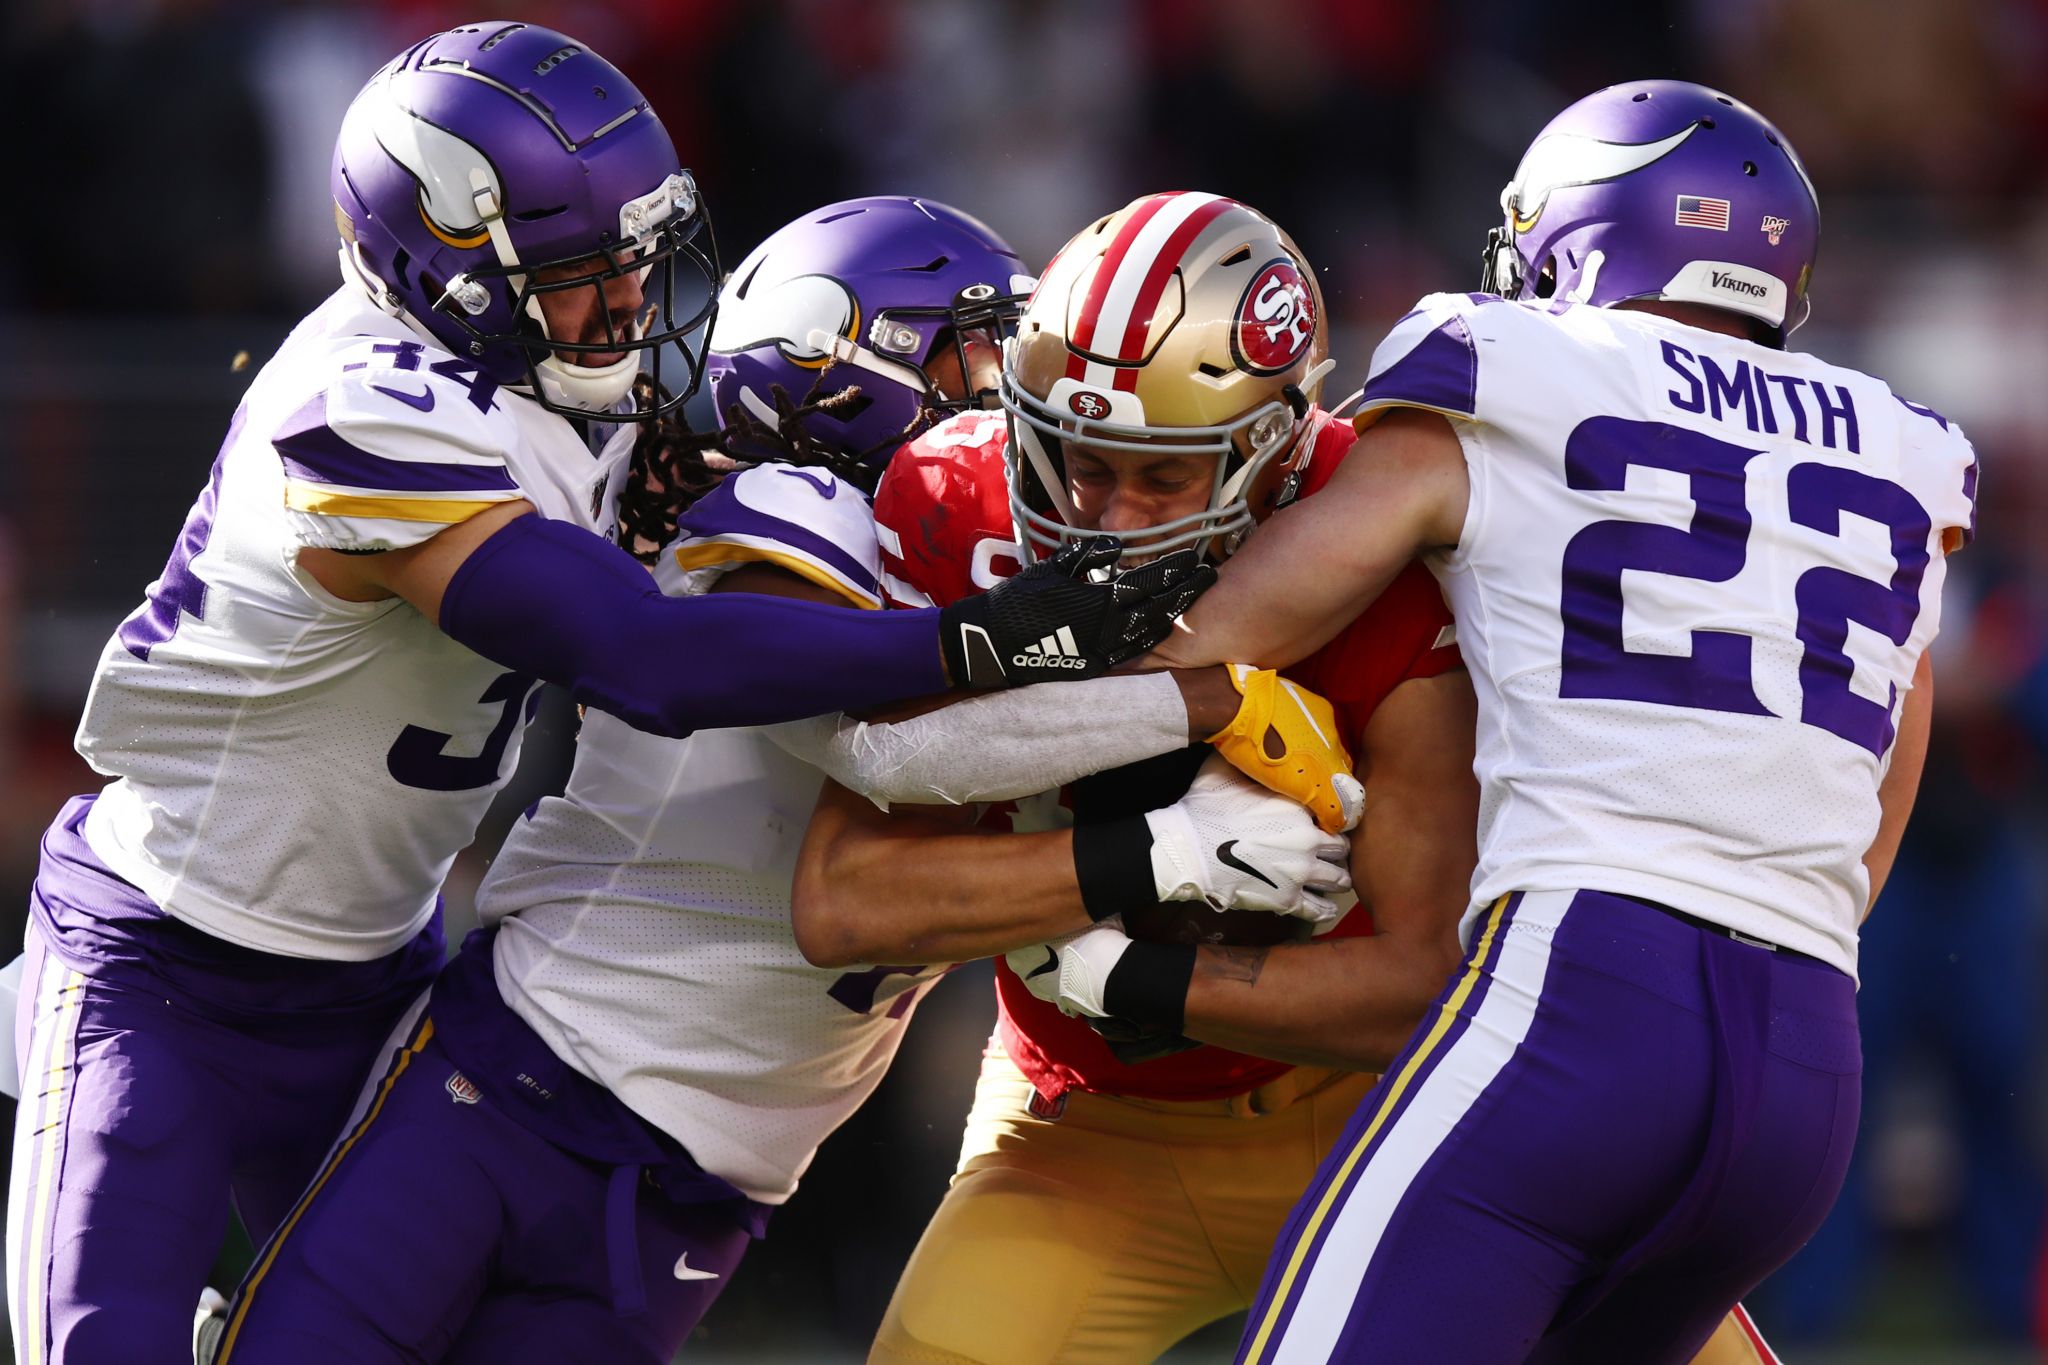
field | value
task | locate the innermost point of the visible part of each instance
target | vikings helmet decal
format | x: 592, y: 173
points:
x: 492, y: 165
x: 871, y: 295
x: 1660, y: 190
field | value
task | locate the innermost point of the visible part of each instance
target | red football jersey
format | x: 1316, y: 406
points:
x: 946, y: 530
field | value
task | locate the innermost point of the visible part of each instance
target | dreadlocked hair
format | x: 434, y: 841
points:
x: 669, y: 471
x: 750, y: 440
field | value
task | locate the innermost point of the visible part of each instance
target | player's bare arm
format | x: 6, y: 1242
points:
x: 1314, y: 566
x: 1901, y: 783
x: 1353, y: 1002
x: 923, y: 885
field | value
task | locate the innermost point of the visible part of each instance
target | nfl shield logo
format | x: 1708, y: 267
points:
x: 1774, y: 228
x: 462, y: 1088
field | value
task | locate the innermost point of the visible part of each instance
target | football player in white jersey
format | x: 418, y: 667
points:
x: 310, y: 712
x: 622, y: 1074
x: 1695, y: 576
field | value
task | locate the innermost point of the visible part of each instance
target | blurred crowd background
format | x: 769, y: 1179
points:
x: 167, y: 208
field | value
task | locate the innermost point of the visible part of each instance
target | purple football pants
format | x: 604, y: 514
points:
x: 1613, y: 1125
x: 164, y: 1073
x: 443, y: 1228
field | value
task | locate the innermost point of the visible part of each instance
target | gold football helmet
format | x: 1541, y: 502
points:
x: 1183, y: 324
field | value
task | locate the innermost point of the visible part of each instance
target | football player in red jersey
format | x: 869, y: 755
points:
x: 1114, y: 1196
x: 1162, y: 385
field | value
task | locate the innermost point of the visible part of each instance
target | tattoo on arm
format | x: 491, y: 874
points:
x: 1231, y: 964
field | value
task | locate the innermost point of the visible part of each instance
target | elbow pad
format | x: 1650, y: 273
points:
x: 556, y: 601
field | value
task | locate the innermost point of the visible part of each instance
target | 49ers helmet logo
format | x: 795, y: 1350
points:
x: 1276, y: 319
x: 1092, y: 406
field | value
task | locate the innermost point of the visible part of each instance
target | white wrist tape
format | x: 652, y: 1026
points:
x: 997, y: 747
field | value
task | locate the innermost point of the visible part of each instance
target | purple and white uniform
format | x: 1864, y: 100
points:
x: 222, y: 936
x: 1692, y: 586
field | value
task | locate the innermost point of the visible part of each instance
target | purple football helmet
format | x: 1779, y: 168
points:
x: 1660, y: 190
x: 873, y: 291
x: 489, y: 156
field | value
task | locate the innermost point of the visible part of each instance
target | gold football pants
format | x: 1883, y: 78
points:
x: 1104, y: 1235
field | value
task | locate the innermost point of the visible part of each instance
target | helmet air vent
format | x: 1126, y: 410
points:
x: 931, y: 267
x: 1237, y: 257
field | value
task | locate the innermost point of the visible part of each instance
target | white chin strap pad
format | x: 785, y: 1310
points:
x: 589, y: 388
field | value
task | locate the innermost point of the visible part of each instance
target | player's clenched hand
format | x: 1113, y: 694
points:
x: 1073, y: 972
x: 1311, y: 766
x: 1236, y: 845
x: 1070, y: 616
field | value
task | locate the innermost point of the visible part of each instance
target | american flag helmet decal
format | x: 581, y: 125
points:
x: 1699, y: 212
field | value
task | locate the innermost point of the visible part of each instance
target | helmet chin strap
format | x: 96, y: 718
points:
x: 589, y: 388
x: 592, y: 388
x: 847, y: 352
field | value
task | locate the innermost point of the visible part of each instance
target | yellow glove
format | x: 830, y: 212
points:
x: 1312, y: 767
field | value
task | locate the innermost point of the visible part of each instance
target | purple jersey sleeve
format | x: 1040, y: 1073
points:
x: 802, y: 520
x: 549, y: 599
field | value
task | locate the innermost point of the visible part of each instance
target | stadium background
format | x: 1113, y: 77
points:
x: 168, y: 166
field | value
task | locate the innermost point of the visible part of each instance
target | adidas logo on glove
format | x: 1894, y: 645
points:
x: 1057, y: 650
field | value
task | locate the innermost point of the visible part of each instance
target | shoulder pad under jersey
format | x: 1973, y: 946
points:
x: 1935, y: 443
x: 802, y: 519
x: 1428, y: 360
x: 942, y: 512
x: 395, y: 446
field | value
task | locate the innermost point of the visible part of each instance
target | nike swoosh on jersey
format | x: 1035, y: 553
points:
x: 423, y: 401
x: 1051, y: 963
x: 684, y: 1271
x: 1229, y: 859
x: 827, y: 489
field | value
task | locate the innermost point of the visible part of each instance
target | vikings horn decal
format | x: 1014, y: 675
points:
x: 785, y: 314
x: 440, y: 161
x: 1276, y: 319
x: 1568, y: 159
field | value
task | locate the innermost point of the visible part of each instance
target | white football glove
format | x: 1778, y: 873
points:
x: 1073, y: 972
x: 1234, y: 844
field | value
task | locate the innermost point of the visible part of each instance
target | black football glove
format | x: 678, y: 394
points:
x: 1054, y: 621
x: 1133, y: 1044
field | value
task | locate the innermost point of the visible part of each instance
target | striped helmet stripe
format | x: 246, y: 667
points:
x: 1085, y: 326
x: 1145, y: 301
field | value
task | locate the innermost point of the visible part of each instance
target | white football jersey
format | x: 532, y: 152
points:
x: 295, y: 773
x: 1692, y: 587
x: 644, y: 916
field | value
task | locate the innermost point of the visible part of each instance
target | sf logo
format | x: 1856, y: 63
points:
x: 1276, y: 320
x: 1283, y: 306
x: 1092, y: 406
